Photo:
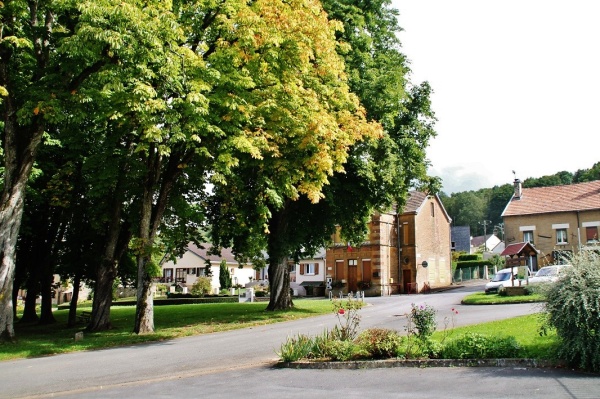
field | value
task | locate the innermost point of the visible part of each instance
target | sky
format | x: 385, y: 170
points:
x: 516, y: 86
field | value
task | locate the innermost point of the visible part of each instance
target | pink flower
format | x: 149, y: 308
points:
x: 341, y: 311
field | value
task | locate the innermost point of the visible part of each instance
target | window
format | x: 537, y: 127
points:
x: 561, y: 236
x: 528, y: 236
x: 432, y: 210
x: 591, y: 234
x: 405, y: 233
x: 180, y: 275
x: 167, y: 275
x: 339, y: 269
x: 309, y: 268
x: 352, y: 262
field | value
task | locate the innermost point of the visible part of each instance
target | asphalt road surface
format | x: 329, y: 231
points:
x: 240, y: 364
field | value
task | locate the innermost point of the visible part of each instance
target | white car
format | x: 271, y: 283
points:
x: 506, y: 278
x: 549, y: 274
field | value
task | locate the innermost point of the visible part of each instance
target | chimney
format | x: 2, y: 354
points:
x: 518, y: 189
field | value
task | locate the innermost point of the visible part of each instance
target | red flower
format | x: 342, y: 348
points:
x: 341, y: 311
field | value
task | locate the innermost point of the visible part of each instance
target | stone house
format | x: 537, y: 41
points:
x: 557, y: 221
x: 404, y: 252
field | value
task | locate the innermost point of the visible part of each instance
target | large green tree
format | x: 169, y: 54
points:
x: 378, y: 171
x: 32, y: 88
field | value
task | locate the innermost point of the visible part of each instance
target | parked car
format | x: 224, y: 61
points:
x: 549, y: 274
x: 506, y: 278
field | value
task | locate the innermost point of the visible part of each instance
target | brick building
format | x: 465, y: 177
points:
x: 558, y: 221
x: 421, y: 232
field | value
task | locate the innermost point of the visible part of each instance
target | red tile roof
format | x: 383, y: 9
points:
x: 567, y: 198
x: 515, y: 249
x: 414, y: 202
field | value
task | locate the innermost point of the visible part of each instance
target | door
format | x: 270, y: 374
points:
x: 406, y: 281
x: 352, y: 282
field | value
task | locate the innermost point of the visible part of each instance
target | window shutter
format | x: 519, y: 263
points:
x: 316, y: 268
x: 301, y: 268
x: 591, y: 233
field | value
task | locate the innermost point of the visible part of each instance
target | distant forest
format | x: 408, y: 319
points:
x: 474, y: 208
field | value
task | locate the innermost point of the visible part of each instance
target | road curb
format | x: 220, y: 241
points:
x: 423, y: 363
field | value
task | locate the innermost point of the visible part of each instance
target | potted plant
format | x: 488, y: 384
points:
x: 364, y: 285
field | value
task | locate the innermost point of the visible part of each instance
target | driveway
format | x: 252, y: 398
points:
x: 238, y: 363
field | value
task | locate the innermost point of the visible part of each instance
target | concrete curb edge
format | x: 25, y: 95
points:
x: 391, y: 363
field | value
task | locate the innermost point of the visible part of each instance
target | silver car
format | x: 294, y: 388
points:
x: 549, y: 274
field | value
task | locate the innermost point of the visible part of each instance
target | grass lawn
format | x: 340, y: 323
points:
x: 481, y: 298
x: 170, y: 321
x: 173, y: 321
x: 525, y: 329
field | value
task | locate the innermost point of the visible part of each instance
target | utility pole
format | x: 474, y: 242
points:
x: 485, y: 224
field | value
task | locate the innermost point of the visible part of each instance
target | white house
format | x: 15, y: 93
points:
x: 192, y: 264
x: 308, y: 273
x: 485, y: 243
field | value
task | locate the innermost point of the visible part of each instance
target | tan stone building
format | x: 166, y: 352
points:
x: 376, y: 266
x: 557, y: 221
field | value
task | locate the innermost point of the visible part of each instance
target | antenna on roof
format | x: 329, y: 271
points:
x: 515, y: 174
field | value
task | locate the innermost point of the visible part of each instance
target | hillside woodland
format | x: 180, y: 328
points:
x: 472, y: 208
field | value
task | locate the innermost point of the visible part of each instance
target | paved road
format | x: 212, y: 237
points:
x: 239, y: 363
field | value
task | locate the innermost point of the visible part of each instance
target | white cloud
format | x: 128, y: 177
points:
x: 515, y: 85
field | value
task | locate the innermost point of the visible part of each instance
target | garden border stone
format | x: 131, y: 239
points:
x: 390, y: 363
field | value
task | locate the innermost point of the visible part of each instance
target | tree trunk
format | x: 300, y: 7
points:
x: 103, y: 290
x: 144, y: 313
x: 279, y: 272
x: 19, y: 279
x: 150, y: 219
x: 29, y: 312
x: 279, y: 285
x: 107, y: 272
x: 74, y: 299
x: 17, y: 170
x: 46, y: 315
x: 20, y: 147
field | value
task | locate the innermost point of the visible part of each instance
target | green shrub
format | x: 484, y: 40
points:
x: 348, y: 318
x: 181, y: 295
x: 467, y: 257
x: 319, y: 346
x: 422, y: 321
x: 478, y: 346
x: 336, y: 349
x: 379, y: 343
x: 573, y: 309
x: 297, y: 348
x: 201, y: 286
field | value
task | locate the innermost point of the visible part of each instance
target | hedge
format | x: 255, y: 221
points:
x: 473, y: 263
x: 469, y: 257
